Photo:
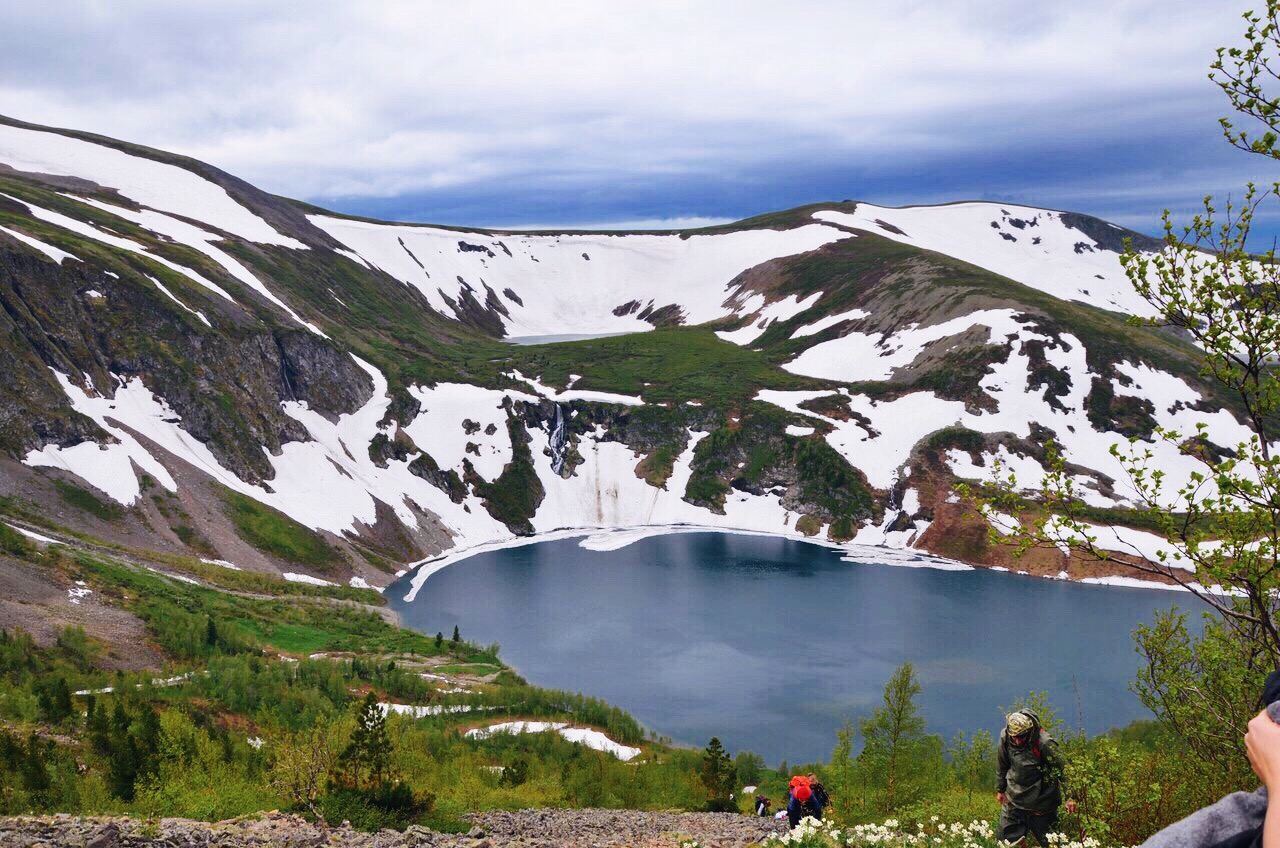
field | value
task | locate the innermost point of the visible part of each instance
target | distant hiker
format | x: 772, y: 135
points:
x: 802, y: 801
x: 1241, y: 819
x: 1028, y: 780
x: 762, y: 805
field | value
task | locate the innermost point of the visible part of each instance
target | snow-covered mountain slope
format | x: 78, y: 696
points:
x: 1040, y: 248
x: 186, y: 347
x: 573, y: 283
x: 147, y: 182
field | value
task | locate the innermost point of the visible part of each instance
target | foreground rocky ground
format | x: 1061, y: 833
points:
x: 497, y: 829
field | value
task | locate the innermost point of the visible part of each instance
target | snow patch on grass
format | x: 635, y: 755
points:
x: 593, y: 739
x: 295, y: 577
x: 47, y: 249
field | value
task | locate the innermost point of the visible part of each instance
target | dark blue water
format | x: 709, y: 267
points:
x: 772, y: 644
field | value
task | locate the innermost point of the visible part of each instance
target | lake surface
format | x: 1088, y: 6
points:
x: 562, y: 337
x: 772, y: 644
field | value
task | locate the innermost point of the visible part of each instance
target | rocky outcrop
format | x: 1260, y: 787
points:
x: 225, y: 382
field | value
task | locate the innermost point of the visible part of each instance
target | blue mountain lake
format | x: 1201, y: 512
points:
x: 772, y: 644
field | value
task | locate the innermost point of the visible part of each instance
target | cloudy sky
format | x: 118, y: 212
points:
x: 533, y: 112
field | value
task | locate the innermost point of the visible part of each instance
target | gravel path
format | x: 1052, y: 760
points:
x: 621, y: 827
x: 497, y: 829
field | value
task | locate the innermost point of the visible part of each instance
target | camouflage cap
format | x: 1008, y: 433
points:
x: 1019, y: 723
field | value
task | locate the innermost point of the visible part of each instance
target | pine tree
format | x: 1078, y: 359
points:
x: 35, y: 775
x: 122, y: 755
x: 11, y: 752
x: 367, y: 758
x: 717, y: 772
x: 457, y: 637
x: 148, y: 738
x: 439, y: 640
x: 211, y: 633
x: 63, y: 708
x: 54, y: 699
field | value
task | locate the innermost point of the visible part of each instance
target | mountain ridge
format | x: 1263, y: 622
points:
x: 349, y: 377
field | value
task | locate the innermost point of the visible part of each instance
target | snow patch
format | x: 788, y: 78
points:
x: 862, y: 356
x: 762, y: 318
x: 295, y: 577
x: 829, y: 321
x: 360, y: 583
x: 33, y: 536
x: 47, y: 249
x: 172, y: 297
x: 1039, y: 250
x: 78, y: 592
x: 202, y: 242
x: 593, y: 739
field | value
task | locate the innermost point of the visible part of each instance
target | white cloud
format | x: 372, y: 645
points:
x: 326, y: 99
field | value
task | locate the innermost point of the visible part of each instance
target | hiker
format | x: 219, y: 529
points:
x: 1028, y: 780
x: 820, y: 796
x: 802, y: 801
x: 1241, y: 819
x: 762, y: 805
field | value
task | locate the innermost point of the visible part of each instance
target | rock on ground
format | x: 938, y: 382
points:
x: 495, y: 829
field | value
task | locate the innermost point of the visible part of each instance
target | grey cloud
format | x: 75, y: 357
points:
x: 325, y: 99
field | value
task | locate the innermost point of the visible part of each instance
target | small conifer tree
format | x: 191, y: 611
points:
x: 366, y: 762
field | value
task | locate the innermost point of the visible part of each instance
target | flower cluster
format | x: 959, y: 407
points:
x: 811, y: 833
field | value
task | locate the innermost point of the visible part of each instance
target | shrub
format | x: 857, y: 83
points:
x: 12, y: 542
x: 87, y: 501
x: 273, y: 532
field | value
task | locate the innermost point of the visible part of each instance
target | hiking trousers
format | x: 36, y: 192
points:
x: 1016, y: 823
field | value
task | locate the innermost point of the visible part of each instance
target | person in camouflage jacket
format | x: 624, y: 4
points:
x: 1028, y: 779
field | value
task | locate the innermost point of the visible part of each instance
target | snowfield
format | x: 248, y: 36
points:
x: 571, y: 283
x: 1032, y: 246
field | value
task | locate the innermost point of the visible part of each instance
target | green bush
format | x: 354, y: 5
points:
x: 273, y: 532
x: 12, y: 542
x: 87, y: 501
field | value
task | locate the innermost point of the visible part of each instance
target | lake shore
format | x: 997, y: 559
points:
x: 614, y: 538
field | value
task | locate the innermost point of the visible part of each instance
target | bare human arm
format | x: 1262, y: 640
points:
x: 1263, y: 744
